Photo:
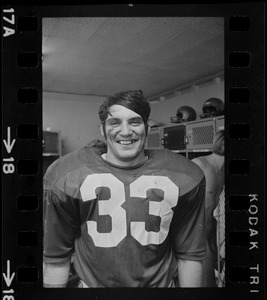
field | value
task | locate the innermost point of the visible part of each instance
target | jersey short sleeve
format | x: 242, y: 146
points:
x: 61, y: 215
x: 188, y: 232
x: 61, y: 226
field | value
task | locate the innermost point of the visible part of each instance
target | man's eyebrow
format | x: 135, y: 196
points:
x: 112, y: 119
x: 136, y: 118
x: 131, y: 119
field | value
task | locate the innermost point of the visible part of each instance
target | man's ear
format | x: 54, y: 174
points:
x: 102, y: 129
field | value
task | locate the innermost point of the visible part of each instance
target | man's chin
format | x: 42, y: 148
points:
x: 128, y: 156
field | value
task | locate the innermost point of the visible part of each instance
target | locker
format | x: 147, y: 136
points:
x: 154, y: 139
x: 51, y: 143
x: 174, y: 137
x: 200, y: 134
x: 51, y: 148
x: 194, y: 136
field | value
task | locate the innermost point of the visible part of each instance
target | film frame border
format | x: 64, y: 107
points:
x: 22, y: 147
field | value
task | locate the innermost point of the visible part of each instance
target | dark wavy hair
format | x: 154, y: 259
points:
x: 133, y: 100
x: 218, y: 146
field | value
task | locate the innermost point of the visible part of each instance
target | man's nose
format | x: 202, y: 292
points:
x: 125, y: 129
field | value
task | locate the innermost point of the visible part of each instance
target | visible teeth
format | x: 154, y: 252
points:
x: 126, y: 142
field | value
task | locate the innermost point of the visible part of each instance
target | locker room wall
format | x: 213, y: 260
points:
x: 76, y: 116
x: 161, y: 112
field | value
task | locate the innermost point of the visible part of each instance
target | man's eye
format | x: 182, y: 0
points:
x: 114, y: 123
x: 135, y: 123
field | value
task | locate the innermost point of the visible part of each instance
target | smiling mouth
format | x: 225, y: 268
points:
x: 127, y: 142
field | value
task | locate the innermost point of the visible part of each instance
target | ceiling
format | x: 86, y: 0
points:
x: 101, y: 56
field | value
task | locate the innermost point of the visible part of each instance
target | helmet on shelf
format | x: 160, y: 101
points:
x: 184, y: 114
x: 212, y: 107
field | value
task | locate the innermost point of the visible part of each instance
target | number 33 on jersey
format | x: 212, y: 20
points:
x: 113, y: 208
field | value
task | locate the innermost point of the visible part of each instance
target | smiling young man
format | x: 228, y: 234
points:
x: 127, y: 216
x: 125, y: 133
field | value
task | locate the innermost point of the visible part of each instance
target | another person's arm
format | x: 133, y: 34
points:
x: 190, y: 273
x: 56, y: 275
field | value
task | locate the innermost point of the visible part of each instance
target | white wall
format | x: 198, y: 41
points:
x: 75, y: 116
x: 161, y: 112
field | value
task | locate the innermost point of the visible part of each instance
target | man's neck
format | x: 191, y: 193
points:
x: 130, y: 163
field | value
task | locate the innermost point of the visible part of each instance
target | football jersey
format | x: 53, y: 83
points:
x: 126, y: 225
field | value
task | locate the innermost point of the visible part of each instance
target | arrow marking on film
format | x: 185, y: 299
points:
x: 7, y: 277
x: 9, y: 144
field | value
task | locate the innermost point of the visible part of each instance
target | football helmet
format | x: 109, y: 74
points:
x: 212, y: 107
x: 184, y: 114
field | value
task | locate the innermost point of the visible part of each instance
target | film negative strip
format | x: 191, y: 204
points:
x: 241, y: 268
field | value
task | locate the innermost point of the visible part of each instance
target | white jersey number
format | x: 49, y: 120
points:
x: 112, y: 207
x: 139, y: 188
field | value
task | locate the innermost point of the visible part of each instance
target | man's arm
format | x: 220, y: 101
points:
x: 56, y: 275
x: 190, y: 273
